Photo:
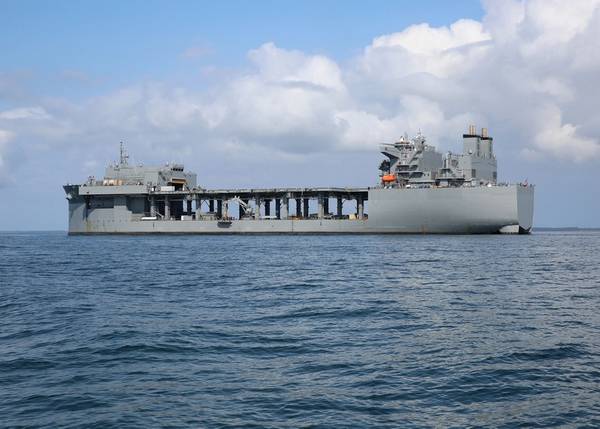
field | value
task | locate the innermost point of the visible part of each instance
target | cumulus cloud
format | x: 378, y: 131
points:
x: 528, y: 71
x: 289, y: 103
x: 420, y: 48
x: 525, y: 71
x: 562, y: 139
x: 283, y: 66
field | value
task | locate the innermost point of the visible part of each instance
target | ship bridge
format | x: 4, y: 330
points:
x: 121, y: 173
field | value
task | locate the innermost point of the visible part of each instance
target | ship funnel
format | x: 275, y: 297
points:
x: 484, y: 132
x: 472, y: 130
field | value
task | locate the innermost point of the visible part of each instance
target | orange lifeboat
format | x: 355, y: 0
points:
x: 388, y: 178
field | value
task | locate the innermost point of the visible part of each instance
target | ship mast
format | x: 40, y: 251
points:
x: 123, y: 156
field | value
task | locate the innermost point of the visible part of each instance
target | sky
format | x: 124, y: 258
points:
x: 272, y: 93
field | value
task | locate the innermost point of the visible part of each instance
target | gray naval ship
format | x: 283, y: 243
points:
x: 419, y: 190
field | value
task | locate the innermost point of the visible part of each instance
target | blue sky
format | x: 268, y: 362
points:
x: 209, y: 84
x: 119, y: 43
x: 144, y: 38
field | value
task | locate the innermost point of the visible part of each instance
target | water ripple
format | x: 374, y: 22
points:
x: 287, y: 332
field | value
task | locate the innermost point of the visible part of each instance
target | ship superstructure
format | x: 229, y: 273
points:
x: 420, y: 190
x: 414, y: 162
x: 122, y: 173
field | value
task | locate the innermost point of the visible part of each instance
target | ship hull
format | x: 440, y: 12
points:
x: 465, y: 210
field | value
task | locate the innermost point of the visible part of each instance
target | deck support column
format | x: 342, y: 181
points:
x: 298, y: 207
x: 267, y: 207
x: 198, y: 203
x: 152, y: 206
x: 224, y: 208
x: 284, y: 208
x: 167, y: 208
x: 219, y: 208
x: 340, y: 206
x: 278, y: 208
x: 257, y: 208
x: 211, y: 205
x: 326, y: 205
x: 305, y: 208
x: 360, y: 207
x: 321, y: 211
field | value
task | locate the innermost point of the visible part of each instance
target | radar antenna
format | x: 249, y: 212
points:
x: 124, y: 157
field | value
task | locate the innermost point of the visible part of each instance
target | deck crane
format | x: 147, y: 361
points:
x: 248, y: 210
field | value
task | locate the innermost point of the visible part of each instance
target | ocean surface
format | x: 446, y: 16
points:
x: 300, y: 331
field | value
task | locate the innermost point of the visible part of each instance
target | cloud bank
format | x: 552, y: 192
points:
x: 529, y: 70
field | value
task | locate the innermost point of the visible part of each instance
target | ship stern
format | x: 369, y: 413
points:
x: 77, y: 210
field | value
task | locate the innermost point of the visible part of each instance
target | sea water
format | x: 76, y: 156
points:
x: 299, y: 331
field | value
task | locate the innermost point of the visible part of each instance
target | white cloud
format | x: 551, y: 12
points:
x: 549, y: 23
x: 34, y: 113
x: 562, y: 140
x: 5, y: 137
x: 294, y: 67
x: 504, y: 72
x: 442, y: 51
x: 425, y: 40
